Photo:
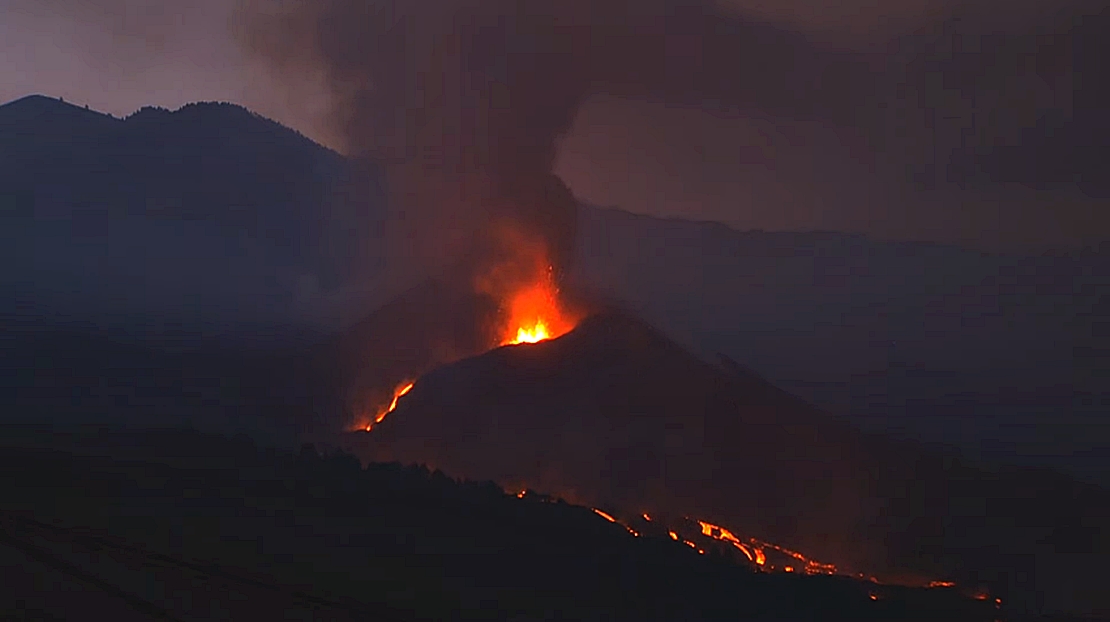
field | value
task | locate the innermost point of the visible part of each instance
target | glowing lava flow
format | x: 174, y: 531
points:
x: 720, y: 533
x: 535, y: 313
x: 756, y: 551
x: 609, y: 518
x: 398, y: 393
x: 762, y: 556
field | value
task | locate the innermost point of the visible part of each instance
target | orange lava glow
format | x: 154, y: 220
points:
x: 609, y: 518
x: 398, y: 392
x: 604, y: 515
x: 535, y: 313
x: 720, y: 533
x: 756, y: 550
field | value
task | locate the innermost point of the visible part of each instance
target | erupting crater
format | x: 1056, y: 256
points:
x: 535, y: 313
x: 528, y: 313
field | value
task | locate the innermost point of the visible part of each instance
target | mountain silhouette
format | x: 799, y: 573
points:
x: 217, y: 222
x: 168, y: 268
x: 207, y: 215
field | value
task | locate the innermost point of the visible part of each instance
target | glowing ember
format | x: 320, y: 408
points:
x: 535, y: 313
x: 398, y: 392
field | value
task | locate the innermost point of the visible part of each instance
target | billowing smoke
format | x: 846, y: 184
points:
x: 464, y: 100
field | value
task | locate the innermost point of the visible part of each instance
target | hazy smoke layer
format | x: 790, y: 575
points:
x: 466, y: 99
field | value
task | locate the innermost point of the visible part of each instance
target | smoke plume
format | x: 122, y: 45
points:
x: 464, y: 100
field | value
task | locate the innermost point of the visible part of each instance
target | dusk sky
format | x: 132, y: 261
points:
x: 938, y: 77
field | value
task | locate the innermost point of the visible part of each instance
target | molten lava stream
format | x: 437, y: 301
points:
x: 398, y: 392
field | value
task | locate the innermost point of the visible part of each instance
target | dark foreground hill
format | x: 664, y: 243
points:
x: 173, y: 524
x: 615, y: 414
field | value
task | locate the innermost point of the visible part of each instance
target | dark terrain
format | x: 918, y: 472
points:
x: 161, y: 524
x: 167, y: 270
x: 211, y: 224
x: 616, y: 414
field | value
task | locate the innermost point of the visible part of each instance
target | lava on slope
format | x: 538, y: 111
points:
x: 444, y: 320
x: 399, y: 391
x: 615, y: 415
x: 762, y: 557
x: 615, y: 398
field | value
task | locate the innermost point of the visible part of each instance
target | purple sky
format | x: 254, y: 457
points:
x: 766, y: 170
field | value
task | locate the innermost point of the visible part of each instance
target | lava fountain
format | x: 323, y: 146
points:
x: 535, y: 313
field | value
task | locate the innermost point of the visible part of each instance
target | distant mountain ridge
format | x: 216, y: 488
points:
x: 217, y: 221
x: 927, y: 340
x: 208, y: 214
x: 29, y: 116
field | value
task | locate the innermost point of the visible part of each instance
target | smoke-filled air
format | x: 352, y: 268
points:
x: 465, y: 101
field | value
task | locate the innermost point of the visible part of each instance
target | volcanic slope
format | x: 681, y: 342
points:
x: 176, y: 524
x: 616, y: 415
x: 354, y: 372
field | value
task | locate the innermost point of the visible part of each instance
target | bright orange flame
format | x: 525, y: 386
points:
x: 535, y: 313
x: 535, y: 334
x: 398, y: 392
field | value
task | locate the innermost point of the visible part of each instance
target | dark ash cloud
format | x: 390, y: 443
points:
x: 466, y: 101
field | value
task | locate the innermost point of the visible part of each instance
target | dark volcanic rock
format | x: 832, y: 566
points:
x: 614, y: 413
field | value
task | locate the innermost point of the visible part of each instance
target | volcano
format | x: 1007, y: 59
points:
x: 616, y: 415
x: 360, y: 371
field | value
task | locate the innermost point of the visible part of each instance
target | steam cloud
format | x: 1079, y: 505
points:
x: 465, y: 100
